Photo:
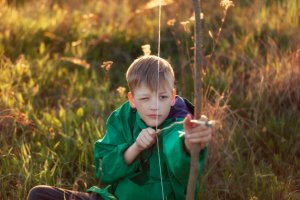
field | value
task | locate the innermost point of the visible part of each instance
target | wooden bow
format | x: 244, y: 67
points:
x: 195, y: 166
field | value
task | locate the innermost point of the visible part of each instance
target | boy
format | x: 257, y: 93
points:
x: 137, y: 159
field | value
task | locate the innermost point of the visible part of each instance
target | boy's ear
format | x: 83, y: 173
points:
x: 131, y: 99
x: 173, y: 97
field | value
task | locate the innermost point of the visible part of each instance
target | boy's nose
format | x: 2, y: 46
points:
x: 153, y: 105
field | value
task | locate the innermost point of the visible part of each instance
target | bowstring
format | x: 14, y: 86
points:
x: 157, y: 96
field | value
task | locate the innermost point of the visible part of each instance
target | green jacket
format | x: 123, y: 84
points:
x: 141, y: 179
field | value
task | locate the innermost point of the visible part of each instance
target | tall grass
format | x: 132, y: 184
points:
x: 55, y: 96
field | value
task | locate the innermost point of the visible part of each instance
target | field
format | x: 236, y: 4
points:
x: 62, y: 72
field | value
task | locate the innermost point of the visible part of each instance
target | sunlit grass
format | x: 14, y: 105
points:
x: 62, y: 72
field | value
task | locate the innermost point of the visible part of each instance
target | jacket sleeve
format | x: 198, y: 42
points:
x: 108, y: 154
x: 178, y: 160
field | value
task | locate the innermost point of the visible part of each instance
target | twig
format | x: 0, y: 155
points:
x: 210, y: 123
x: 168, y: 127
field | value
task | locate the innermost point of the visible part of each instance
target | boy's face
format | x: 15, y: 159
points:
x: 145, y: 101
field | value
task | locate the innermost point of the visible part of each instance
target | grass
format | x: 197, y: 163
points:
x: 55, y: 96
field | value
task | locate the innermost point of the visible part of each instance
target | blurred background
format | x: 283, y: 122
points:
x: 62, y: 71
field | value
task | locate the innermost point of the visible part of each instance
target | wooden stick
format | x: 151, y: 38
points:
x: 195, y: 166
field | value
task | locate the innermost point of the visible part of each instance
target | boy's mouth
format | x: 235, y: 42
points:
x: 153, y: 116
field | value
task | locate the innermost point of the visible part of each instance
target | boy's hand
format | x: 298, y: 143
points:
x: 196, y: 134
x: 146, y: 139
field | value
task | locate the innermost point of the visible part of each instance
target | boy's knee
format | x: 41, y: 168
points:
x: 36, y: 192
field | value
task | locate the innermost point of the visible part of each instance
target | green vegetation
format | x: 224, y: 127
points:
x: 56, y: 91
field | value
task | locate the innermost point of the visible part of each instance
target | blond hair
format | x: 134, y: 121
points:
x: 144, y: 70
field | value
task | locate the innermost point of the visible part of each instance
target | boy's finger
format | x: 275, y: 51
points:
x: 206, y: 123
x: 151, y: 132
x: 199, y: 132
x: 205, y: 139
x: 195, y: 136
x: 143, y: 142
x: 148, y: 137
x: 158, y: 132
x: 187, y: 121
x: 204, y: 118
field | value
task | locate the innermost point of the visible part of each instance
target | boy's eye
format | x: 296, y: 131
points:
x: 144, y: 98
x: 164, y: 97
